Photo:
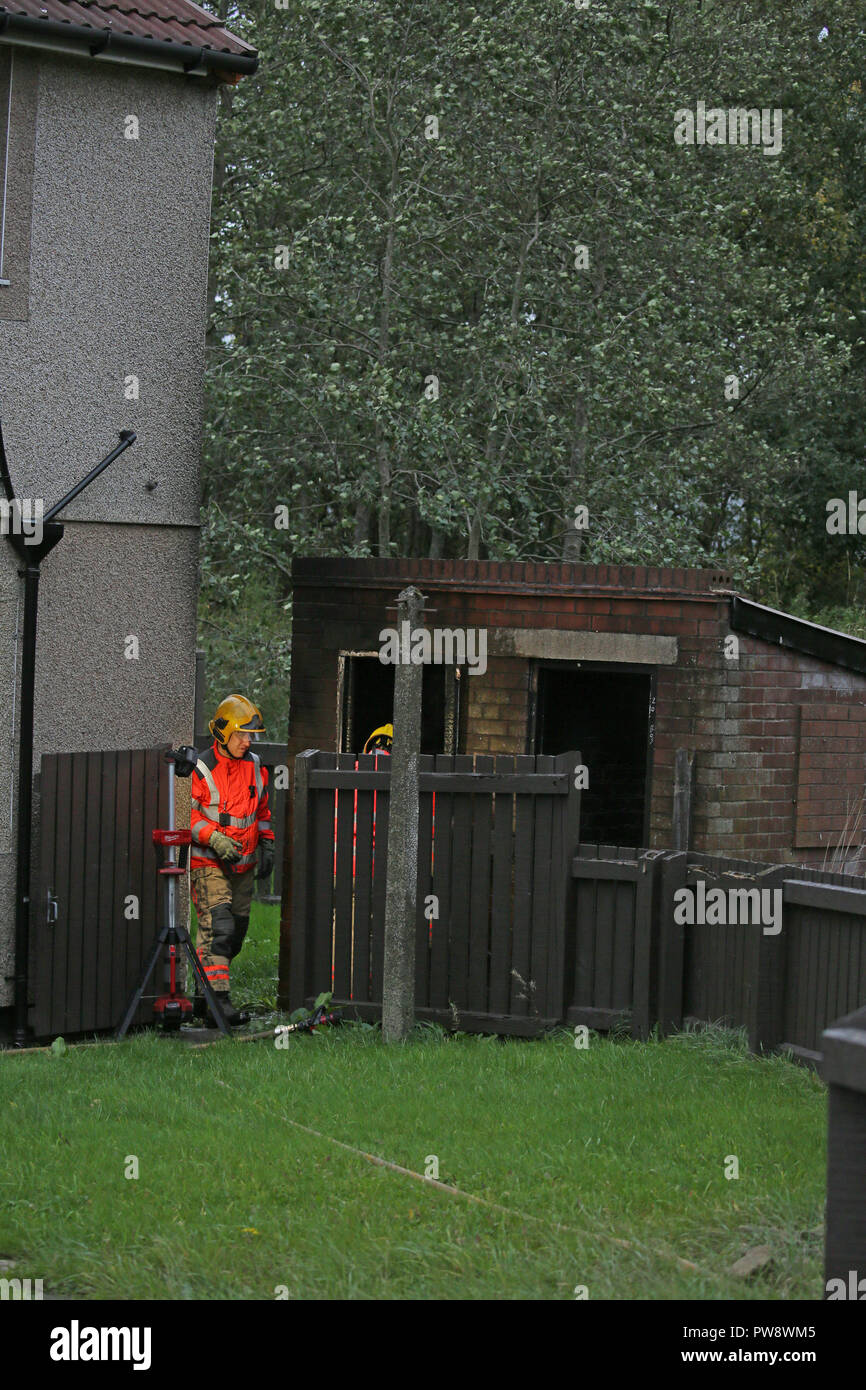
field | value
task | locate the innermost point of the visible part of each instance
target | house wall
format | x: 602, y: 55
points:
x: 779, y: 737
x: 117, y: 287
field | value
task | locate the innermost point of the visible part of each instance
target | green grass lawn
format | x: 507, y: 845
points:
x: 623, y: 1139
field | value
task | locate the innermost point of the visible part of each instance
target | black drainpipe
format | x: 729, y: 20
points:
x: 32, y: 556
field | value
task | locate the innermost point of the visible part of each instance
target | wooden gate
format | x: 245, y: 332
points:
x: 496, y: 838
x: 97, y: 865
x: 612, y: 955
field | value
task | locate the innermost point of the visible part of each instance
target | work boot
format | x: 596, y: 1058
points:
x: 233, y: 1017
x: 199, y: 1006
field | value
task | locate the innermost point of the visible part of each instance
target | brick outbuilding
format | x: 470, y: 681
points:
x: 644, y: 670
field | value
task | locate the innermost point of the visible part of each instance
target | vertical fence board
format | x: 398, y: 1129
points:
x: 381, y: 822
x: 644, y: 955
x: 605, y: 929
x: 303, y: 885
x: 122, y: 876
x: 542, y: 895
x: 672, y: 878
x: 75, y: 954
x: 622, y: 959
x: 91, y: 845
x: 502, y: 897
x: 323, y: 802
x: 363, y: 888
x: 442, y: 887
x: 461, y: 851
x: 44, y: 944
x: 524, y: 849
x: 817, y: 997
x: 110, y: 919
x: 424, y: 927
x: 343, y: 884
x: 479, y: 893
x: 584, y: 933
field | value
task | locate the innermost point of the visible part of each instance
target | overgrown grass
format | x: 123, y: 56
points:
x: 620, y: 1140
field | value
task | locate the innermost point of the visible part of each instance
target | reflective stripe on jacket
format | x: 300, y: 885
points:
x: 231, y: 795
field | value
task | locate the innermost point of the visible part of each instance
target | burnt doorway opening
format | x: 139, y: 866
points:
x: 367, y: 702
x: 607, y: 714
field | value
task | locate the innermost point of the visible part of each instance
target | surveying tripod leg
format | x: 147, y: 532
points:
x: 198, y: 970
x: 135, y: 997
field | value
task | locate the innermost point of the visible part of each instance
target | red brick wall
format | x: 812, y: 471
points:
x: 754, y: 784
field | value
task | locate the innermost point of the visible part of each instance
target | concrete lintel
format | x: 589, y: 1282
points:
x: 554, y: 644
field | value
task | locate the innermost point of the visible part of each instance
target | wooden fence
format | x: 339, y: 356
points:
x: 520, y: 926
x: 96, y: 909
x: 494, y: 886
x: 535, y: 929
x: 97, y: 903
x: 634, y: 958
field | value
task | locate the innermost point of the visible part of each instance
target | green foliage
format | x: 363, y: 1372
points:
x: 408, y: 257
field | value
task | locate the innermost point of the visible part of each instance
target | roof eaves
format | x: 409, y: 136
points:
x: 784, y: 630
x: 105, y: 43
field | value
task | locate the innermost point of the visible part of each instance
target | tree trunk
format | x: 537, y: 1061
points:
x: 572, y: 545
x: 361, y: 533
x: 382, y: 452
x: 473, y: 548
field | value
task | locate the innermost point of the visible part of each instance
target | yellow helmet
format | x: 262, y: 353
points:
x: 236, y: 715
x: 380, y: 740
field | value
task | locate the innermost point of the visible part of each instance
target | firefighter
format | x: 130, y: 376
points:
x: 380, y: 740
x: 231, y: 830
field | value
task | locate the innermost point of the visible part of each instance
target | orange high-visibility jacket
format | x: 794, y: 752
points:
x: 231, y: 795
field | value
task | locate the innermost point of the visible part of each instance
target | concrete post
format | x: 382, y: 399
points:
x: 401, y: 891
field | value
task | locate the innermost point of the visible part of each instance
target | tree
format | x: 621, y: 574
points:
x: 466, y: 284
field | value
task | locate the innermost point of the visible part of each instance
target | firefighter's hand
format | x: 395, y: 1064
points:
x: 266, y: 859
x: 223, y: 845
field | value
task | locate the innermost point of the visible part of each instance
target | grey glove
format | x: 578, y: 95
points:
x: 223, y: 845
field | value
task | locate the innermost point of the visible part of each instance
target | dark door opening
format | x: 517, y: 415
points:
x: 607, y: 716
x: 368, y: 702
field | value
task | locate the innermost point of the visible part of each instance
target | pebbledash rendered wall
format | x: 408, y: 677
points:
x: 117, y: 287
x: 779, y: 736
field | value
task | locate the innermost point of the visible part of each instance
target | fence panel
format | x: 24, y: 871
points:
x: 489, y: 813
x: 95, y: 863
x: 825, y: 929
x: 534, y: 928
x: 609, y: 917
x: 502, y: 896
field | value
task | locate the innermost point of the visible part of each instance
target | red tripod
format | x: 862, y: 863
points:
x: 172, y: 1009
